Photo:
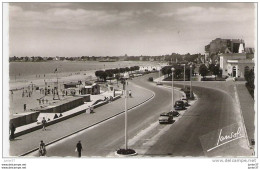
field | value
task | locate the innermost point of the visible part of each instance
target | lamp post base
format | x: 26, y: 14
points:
x: 126, y: 152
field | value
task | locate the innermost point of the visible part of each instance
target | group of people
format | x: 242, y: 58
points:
x: 56, y: 116
x: 43, y: 151
x: 41, y: 101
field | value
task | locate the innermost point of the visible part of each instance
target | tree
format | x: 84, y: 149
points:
x: 98, y: 74
x: 250, y: 78
x: 203, y: 70
x: 103, y: 75
x: 211, y: 67
x: 122, y: 70
x: 166, y: 70
x: 127, y: 69
x: 177, y: 72
x: 215, y: 71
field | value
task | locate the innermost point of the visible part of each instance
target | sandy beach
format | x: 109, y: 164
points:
x: 23, y: 87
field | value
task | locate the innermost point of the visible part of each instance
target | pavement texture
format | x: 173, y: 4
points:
x: 31, y: 140
x: 247, y: 107
x: 213, y: 111
x: 104, y: 139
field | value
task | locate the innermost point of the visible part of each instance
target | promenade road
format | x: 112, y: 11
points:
x: 31, y: 140
x: 107, y: 137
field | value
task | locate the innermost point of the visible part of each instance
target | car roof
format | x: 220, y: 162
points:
x: 164, y: 114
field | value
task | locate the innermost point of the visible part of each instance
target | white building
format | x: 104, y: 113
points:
x: 235, y: 64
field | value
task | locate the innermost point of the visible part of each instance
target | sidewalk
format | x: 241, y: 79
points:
x: 73, y: 112
x: 27, y: 142
x: 247, y: 108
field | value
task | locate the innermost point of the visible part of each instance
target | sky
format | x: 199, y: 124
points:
x: 116, y: 29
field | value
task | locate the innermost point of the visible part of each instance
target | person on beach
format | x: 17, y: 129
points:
x: 12, y: 130
x: 42, y: 149
x: 79, y: 148
x: 24, y: 107
x: 44, y: 122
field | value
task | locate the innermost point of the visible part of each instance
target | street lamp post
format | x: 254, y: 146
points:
x: 184, y: 73
x: 159, y: 72
x: 184, y: 76
x: 172, y: 69
x: 126, y: 136
x: 190, y: 81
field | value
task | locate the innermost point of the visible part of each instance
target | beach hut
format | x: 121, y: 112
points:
x: 71, y: 85
x: 92, y: 89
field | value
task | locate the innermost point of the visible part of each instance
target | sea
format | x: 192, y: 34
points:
x: 28, y: 70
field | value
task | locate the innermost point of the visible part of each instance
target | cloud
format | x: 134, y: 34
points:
x: 211, y: 14
x: 65, y: 18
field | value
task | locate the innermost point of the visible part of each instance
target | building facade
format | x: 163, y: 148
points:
x: 235, y: 64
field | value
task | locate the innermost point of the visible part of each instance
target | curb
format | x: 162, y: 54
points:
x: 54, y: 141
x: 60, y: 119
x: 130, y: 155
x: 241, y: 113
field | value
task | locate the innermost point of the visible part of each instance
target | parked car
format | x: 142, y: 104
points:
x: 185, y: 101
x: 165, y: 119
x: 171, y: 113
x: 159, y: 83
x: 179, y: 105
x: 150, y: 79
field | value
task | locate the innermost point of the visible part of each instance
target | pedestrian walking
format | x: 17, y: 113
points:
x: 24, y: 107
x: 44, y: 122
x: 42, y: 149
x: 12, y: 130
x: 79, y: 148
x: 130, y: 93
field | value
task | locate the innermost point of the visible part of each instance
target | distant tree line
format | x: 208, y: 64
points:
x: 196, y: 58
x: 101, y: 74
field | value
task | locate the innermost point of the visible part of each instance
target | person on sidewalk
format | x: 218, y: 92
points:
x: 42, y: 149
x: 44, y: 122
x: 130, y: 93
x: 79, y: 148
x: 12, y: 130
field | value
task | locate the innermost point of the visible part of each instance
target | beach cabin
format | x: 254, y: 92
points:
x: 71, y: 85
x: 90, y: 88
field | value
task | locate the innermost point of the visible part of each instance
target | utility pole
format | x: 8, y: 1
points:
x: 126, y: 135
x: 172, y: 87
x: 190, y: 81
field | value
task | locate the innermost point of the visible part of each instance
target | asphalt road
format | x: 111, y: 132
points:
x: 107, y: 137
x: 214, y: 110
